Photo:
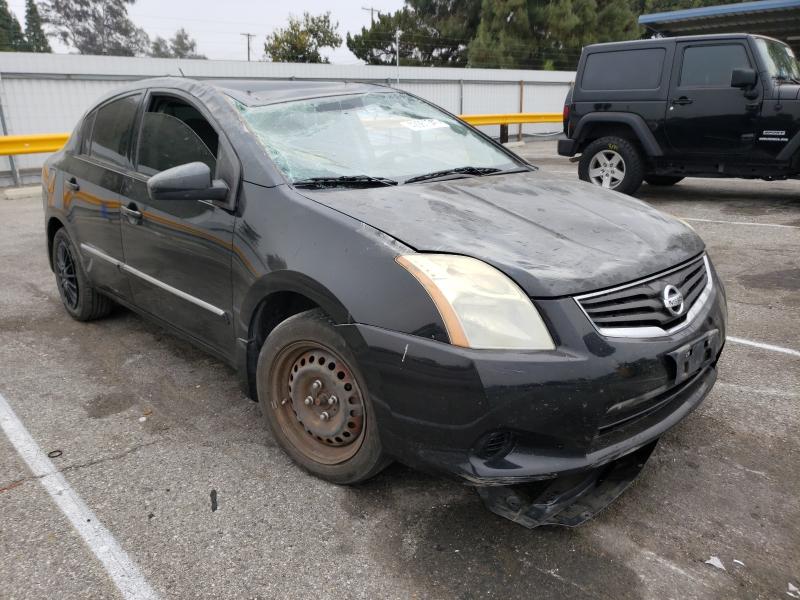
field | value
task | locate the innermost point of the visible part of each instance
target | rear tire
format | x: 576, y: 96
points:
x: 314, y: 399
x: 81, y: 301
x: 613, y: 163
x: 662, y: 179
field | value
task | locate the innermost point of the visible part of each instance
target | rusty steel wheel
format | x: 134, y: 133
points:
x: 321, y: 409
x: 314, y: 399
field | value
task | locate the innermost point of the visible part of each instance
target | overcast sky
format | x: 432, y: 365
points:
x: 217, y: 25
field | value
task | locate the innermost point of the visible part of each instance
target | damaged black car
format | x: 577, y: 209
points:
x: 392, y: 284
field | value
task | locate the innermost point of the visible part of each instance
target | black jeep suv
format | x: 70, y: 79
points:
x: 663, y: 109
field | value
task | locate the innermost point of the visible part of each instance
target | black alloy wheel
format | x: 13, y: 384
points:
x: 66, y: 275
x: 80, y: 299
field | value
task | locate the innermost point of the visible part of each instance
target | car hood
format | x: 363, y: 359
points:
x: 553, y: 237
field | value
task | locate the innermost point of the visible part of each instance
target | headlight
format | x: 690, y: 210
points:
x: 480, y: 307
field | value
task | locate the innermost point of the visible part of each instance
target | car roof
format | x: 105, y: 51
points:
x: 651, y: 42
x: 259, y: 92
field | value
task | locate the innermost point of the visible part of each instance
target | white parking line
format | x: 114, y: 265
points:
x: 741, y: 223
x: 118, y: 565
x: 764, y: 346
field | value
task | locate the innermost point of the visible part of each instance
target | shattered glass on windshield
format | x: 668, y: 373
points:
x: 387, y: 135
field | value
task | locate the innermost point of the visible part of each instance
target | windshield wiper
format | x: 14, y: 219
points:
x: 455, y: 171
x: 343, y: 181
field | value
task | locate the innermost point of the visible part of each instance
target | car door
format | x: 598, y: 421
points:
x: 705, y: 115
x: 178, y: 252
x: 92, y: 180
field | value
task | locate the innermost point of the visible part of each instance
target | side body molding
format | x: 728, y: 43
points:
x: 152, y: 280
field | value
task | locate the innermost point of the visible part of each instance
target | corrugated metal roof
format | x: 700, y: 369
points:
x: 775, y: 18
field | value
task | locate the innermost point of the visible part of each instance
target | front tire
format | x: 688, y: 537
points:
x: 613, y: 163
x: 81, y: 301
x: 662, y: 179
x: 314, y: 399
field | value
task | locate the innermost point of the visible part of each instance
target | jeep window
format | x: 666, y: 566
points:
x: 779, y: 59
x: 384, y: 135
x: 113, y: 127
x: 624, y: 70
x: 712, y: 66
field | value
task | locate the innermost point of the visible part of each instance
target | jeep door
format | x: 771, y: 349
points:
x: 178, y: 252
x: 705, y: 115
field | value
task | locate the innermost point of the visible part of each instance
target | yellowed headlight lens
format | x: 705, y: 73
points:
x: 480, y: 306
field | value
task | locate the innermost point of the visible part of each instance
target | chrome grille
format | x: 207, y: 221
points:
x: 638, y: 309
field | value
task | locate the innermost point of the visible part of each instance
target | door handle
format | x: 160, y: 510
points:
x: 134, y: 216
x: 682, y: 101
x: 72, y: 183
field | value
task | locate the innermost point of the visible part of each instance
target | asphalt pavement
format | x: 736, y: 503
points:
x: 153, y: 438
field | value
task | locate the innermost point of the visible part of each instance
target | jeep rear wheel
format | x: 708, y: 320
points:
x: 613, y: 163
x: 662, y: 179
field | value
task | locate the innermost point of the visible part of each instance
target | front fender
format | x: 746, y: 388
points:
x: 286, y: 242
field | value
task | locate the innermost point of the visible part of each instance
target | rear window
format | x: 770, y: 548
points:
x: 624, y: 70
x: 112, y: 130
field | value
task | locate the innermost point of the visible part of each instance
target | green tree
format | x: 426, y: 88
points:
x: 159, y: 48
x: 95, y: 26
x: 182, y: 45
x: 302, y: 39
x: 549, y: 34
x: 435, y: 32
x: 11, y: 38
x: 35, y: 39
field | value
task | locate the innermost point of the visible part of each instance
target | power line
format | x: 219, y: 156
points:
x: 249, y: 36
x: 372, y: 10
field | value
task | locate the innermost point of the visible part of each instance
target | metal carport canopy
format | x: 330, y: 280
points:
x: 775, y: 18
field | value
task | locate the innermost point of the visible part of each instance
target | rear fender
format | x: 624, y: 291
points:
x: 633, y: 121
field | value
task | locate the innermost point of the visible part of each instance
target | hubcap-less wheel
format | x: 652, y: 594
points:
x: 607, y: 169
x: 66, y: 277
x: 321, y: 407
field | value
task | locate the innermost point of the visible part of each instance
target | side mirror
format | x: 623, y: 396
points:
x: 191, y: 181
x: 744, y: 78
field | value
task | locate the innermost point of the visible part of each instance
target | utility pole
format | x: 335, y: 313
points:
x: 248, y: 36
x: 397, y: 35
x: 372, y: 10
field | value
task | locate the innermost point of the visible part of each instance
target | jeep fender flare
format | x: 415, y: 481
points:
x: 635, y: 122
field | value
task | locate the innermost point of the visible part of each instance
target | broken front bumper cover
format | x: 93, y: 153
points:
x: 569, y: 500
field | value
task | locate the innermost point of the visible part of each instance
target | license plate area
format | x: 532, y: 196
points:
x: 696, y: 355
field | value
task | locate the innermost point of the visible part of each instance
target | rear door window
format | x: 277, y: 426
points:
x: 175, y: 133
x: 86, y: 132
x: 712, y: 66
x: 113, y: 130
x: 624, y: 70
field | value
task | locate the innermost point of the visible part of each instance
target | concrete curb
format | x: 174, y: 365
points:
x: 20, y: 192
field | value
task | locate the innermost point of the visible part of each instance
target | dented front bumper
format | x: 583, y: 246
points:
x: 569, y: 500
x: 574, y: 423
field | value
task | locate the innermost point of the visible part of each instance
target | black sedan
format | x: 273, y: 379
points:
x: 390, y: 283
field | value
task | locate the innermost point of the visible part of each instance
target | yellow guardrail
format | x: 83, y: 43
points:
x: 11, y: 145
x: 32, y: 144
x: 512, y: 118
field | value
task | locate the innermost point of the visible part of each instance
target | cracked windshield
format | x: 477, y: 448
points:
x: 387, y: 136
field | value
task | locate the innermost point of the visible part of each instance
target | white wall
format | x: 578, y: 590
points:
x: 47, y: 93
